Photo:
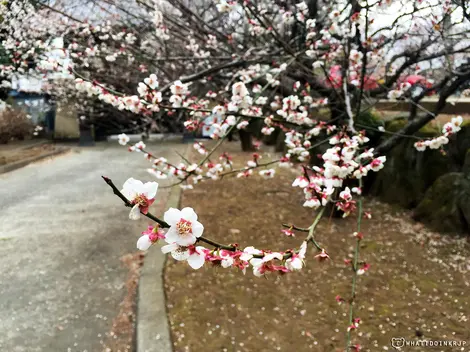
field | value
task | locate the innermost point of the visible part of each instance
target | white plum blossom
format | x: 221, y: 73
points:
x: 239, y: 89
x: 345, y: 194
x: 249, y: 252
x: 179, y: 88
x: 176, y: 101
x: 218, y: 111
x: 140, y: 195
x: 140, y: 145
x: 261, y: 101
x: 265, y: 264
x: 267, y: 173
x: 356, y: 190
x: 195, y: 256
x: 227, y: 260
x: 318, y: 64
x: 225, y: 6
x: 251, y: 163
x: 453, y: 126
x: 123, y: 139
x: 242, y: 125
x: 296, y: 261
x: 184, y: 227
x: 231, y: 120
x: 312, y: 203
x: 152, y: 81
x: 267, y: 130
x: 378, y: 163
x: 142, y: 89
x: 301, y: 182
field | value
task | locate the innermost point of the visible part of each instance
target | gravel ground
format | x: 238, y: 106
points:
x: 63, y: 234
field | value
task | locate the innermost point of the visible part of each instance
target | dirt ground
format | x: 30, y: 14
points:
x: 10, y: 154
x: 417, y: 285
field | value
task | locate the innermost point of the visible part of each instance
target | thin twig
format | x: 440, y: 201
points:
x: 354, y: 277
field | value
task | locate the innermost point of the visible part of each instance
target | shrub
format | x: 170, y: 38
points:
x: 14, y: 124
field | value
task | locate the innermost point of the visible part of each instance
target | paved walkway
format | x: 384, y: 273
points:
x: 62, y: 233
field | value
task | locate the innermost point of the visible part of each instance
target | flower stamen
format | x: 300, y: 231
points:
x: 184, y: 227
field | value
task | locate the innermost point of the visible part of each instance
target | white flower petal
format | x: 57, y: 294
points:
x: 171, y: 235
x: 131, y: 188
x: 252, y: 250
x: 270, y: 256
x: 180, y: 254
x: 297, y: 264
x: 198, y: 229
x: 256, y: 261
x: 189, y: 214
x: 196, y: 260
x: 256, y: 271
x: 186, y: 240
x: 227, y: 262
x: 128, y: 193
x: 135, y: 212
x: 169, y: 248
x: 172, y: 216
x: 144, y: 243
x: 246, y: 256
x: 150, y: 189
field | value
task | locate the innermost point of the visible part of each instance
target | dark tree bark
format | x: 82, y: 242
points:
x: 230, y: 136
x: 280, y: 144
x: 272, y: 138
x: 246, y: 140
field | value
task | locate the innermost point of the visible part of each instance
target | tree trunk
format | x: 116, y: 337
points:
x: 246, y: 141
x: 280, y: 144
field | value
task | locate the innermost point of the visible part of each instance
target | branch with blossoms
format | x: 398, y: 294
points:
x: 162, y: 169
x: 448, y: 130
x: 185, y: 231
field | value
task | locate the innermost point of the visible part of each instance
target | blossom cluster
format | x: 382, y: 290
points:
x: 342, y: 161
x: 449, y: 129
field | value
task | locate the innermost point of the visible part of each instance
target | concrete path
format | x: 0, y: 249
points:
x: 62, y: 233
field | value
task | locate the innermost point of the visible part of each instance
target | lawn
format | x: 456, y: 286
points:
x: 417, y: 285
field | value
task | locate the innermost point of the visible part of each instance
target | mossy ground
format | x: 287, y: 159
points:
x: 418, y: 281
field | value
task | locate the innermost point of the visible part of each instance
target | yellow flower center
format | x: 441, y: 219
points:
x: 184, y: 227
x: 141, y: 200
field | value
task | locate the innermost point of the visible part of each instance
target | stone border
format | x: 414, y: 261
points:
x: 22, y: 163
x: 457, y: 106
x: 152, y: 330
